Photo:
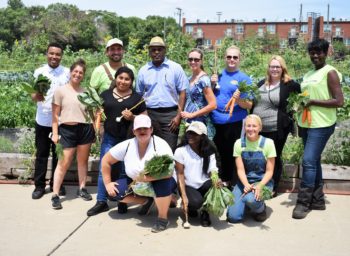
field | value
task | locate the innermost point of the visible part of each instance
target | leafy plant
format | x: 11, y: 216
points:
x: 6, y: 145
x: 338, y: 149
x: 293, y: 150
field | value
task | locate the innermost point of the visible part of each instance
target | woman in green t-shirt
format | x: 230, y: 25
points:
x: 322, y: 84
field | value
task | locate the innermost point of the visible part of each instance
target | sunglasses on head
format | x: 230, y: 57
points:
x: 193, y: 59
x: 229, y: 57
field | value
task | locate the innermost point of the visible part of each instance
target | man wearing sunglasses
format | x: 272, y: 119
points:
x: 229, y: 125
x: 163, y: 84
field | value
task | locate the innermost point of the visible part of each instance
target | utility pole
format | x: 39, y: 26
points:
x: 218, y: 14
x: 179, y: 13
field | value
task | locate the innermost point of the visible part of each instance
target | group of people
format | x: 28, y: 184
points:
x: 143, y: 116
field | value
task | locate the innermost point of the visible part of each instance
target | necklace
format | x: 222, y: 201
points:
x: 119, y: 97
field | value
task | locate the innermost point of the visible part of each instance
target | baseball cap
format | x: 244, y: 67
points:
x: 197, y: 127
x: 142, y: 121
x: 156, y: 41
x: 114, y: 41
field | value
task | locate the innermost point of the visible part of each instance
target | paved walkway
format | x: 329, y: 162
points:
x: 30, y: 227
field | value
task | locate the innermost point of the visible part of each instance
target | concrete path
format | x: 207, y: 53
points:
x: 30, y: 227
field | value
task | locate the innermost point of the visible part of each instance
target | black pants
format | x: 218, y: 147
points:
x: 43, y: 146
x: 196, y: 196
x: 160, y: 121
x: 225, y: 138
x: 279, y: 144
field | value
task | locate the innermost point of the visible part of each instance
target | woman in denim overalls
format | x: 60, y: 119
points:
x: 255, y: 160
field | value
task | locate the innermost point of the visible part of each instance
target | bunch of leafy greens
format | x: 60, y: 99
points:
x: 218, y: 198
x: 297, y: 101
x: 41, y: 85
x: 159, y: 166
x: 251, y: 91
x: 92, y: 101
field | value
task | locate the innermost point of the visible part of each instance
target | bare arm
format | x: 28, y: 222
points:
x: 210, y: 97
x: 241, y: 174
x: 181, y: 180
x: 175, y: 122
x: 270, y: 164
x: 334, y: 88
x: 56, y: 110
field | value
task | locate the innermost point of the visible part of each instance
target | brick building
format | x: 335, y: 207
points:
x: 208, y: 34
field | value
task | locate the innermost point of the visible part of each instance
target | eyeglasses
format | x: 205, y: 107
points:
x: 229, y: 57
x: 193, y: 59
x: 275, y: 67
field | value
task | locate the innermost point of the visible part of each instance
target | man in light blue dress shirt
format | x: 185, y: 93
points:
x: 163, y: 84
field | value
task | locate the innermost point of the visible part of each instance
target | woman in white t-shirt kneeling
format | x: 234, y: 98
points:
x: 194, y: 162
x: 135, y: 152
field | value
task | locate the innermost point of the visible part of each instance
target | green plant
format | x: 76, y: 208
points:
x: 6, y: 145
x: 338, y: 149
x: 26, y: 141
x: 293, y: 150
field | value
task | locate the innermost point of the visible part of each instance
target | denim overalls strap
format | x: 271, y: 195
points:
x: 254, y: 162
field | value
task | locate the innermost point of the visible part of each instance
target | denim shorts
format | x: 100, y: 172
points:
x: 74, y: 135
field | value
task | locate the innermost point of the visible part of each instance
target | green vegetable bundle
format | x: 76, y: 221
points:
x: 159, y: 166
x: 41, y: 85
x: 59, y: 150
x: 143, y: 189
x: 266, y: 193
x: 252, y: 91
x: 92, y: 101
x: 217, y: 199
x: 297, y: 101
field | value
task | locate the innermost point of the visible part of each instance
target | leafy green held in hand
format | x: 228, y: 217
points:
x: 159, y: 166
x: 41, y: 85
x: 217, y: 199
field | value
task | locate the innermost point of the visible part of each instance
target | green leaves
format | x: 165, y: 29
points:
x: 41, y: 85
x: 159, y: 166
x: 217, y: 199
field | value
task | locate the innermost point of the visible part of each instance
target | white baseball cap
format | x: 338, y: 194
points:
x: 114, y: 41
x: 197, y: 127
x: 142, y: 121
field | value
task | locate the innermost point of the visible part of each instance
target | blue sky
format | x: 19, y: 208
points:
x: 248, y: 10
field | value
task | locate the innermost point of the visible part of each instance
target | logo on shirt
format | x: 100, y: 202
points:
x: 234, y: 82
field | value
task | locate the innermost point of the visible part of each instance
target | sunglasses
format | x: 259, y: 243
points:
x: 193, y: 59
x: 229, y: 57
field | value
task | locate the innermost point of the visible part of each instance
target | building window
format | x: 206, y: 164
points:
x: 347, y: 41
x: 271, y: 29
x: 239, y: 29
x: 207, y: 42
x: 199, y: 32
x: 189, y: 29
x: 228, y: 32
x: 338, y: 32
x: 293, y: 32
x: 303, y: 29
x: 283, y: 43
x: 261, y: 31
x: 218, y: 42
x: 327, y: 28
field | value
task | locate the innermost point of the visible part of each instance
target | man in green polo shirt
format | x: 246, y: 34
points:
x: 103, y: 75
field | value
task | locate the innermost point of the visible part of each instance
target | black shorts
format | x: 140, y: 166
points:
x: 74, y: 135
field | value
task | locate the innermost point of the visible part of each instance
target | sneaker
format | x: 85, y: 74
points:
x: 160, y: 225
x: 122, y: 208
x: 99, y: 207
x: 205, y: 219
x: 146, y: 207
x: 62, y: 191
x: 261, y: 216
x: 56, y: 203
x: 38, y: 193
x: 84, y: 194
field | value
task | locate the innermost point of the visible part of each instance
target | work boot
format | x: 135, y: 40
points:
x: 302, y: 207
x: 99, y: 207
x: 318, y: 202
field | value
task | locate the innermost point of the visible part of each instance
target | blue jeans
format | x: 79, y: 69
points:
x: 107, y: 143
x: 235, y: 212
x: 314, y: 140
